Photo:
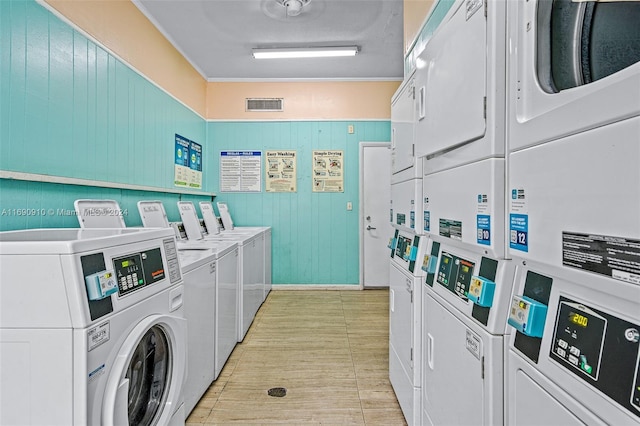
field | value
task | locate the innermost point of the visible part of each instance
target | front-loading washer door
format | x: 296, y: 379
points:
x: 145, y: 385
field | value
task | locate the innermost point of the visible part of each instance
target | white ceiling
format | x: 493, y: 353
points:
x: 217, y: 37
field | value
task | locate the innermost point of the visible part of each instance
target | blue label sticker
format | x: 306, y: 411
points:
x: 427, y: 221
x: 519, y: 232
x: 412, y: 219
x: 484, y: 229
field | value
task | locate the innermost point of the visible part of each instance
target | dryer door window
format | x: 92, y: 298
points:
x: 582, y: 42
x: 149, y: 377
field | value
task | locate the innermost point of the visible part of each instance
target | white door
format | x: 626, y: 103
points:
x: 375, y: 229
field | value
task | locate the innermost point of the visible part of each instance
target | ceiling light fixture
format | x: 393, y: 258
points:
x: 306, y: 52
x: 293, y: 7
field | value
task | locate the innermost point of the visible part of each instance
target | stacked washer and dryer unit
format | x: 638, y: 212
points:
x: 92, y: 327
x: 407, y: 249
x: 574, y: 212
x: 467, y: 287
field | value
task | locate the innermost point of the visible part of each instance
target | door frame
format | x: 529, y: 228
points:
x: 361, y: 146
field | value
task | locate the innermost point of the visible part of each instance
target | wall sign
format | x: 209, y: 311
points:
x: 328, y: 171
x: 188, y: 163
x: 281, y: 171
x: 241, y: 171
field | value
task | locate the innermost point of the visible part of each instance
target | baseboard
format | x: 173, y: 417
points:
x: 315, y: 287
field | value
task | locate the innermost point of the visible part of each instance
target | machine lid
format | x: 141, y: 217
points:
x: 70, y: 241
x: 99, y: 214
x: 153, y: 214
x: 190, y: 220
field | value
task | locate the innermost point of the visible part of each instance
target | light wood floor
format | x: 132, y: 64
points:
x: 329, y: 349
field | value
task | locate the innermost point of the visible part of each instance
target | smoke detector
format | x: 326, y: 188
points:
x: 293, y: 7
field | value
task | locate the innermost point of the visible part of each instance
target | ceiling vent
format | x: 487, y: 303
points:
x: 264, y: 104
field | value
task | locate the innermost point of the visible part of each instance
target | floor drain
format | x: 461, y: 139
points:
x: 277, y: 392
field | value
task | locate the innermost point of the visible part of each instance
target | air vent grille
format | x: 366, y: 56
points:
x: 264, y: 104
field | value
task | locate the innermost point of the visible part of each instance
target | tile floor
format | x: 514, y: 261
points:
x: 329, y: 349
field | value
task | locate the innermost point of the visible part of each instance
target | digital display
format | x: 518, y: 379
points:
x: 125, y: 264
x: 578, y: 319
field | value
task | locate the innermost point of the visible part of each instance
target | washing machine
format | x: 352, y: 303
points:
x: 92, y: 329
x: 405, y: 317
x: 211, y: 282
x: 199, y: 266
x: 262, y: 252
x: 465, y: 303
x: 227, y: 222
x: 574, y: 352
x: 250, y: 273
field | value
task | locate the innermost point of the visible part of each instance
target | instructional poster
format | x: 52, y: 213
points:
x: 240, y: 171
x: 328, y: 171
x: 188, y: 163
x: 281, y: 171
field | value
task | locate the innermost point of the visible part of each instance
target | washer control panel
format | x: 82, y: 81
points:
x: 137, y: 270
x: 599, y: 348
x: 455, y: 274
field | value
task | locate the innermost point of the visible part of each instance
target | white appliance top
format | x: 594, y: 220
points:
x: 70, y: 240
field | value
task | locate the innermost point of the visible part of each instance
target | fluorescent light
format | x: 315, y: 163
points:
x: 309, y: 52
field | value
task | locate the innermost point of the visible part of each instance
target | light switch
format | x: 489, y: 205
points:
x: 349, y: 206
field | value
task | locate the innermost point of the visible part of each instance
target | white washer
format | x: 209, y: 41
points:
x: 211, y: 334
x: 92, y: 327
x: 211, y: 282
x: 574, y: 355
x: 250, y: 274
x: 405, y: 321
x: 465, y: 305
x: 225, y: 216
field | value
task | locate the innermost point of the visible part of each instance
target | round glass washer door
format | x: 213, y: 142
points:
x: 149, y: 374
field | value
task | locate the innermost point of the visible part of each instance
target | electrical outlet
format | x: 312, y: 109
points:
x: 350, y: 129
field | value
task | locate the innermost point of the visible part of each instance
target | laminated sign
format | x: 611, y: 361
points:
x: 281, y: 171
x: 328, y: 171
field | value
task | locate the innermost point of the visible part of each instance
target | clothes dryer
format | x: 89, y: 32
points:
x: 406, y: 170
x: 405, y: 318
x: 250, y: 275
x: 460, y: 81
x: 573, y: 67
x: 211, y: 283
x: 92, y: 329
x: 574, y: 352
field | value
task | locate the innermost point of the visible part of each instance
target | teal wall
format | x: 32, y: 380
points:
x: 315, y: 238
x: 69, y: 108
